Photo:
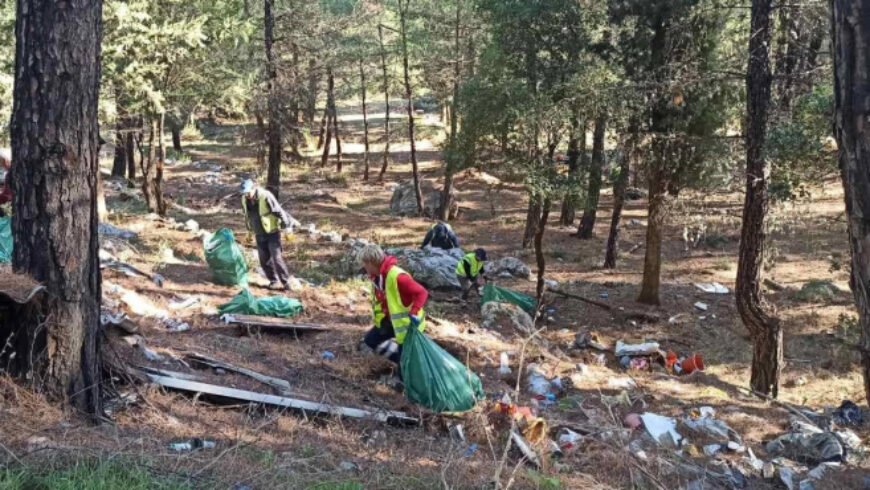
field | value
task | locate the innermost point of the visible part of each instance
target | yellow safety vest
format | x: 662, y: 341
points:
x: 400, y: 315
x: 269, y: 220
x: 475, y: 264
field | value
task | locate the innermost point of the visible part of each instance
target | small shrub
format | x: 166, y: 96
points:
x: 817, y: 291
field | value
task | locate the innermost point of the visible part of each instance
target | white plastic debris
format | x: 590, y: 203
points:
x: 701, y: 306
x: 662, y: 429
x: 707, y: 411
x: 504, y: 367
x: 537, y: 383
x: 191, y: 225
x: 621, y: 383
x: 646, y: 348
x: 712, y: 449
x: 184, y: 304
x: 712, y: 287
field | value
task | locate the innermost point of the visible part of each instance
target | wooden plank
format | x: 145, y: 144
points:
x: 271, y: 322
x: 281, y: 401
x: 282, y: 386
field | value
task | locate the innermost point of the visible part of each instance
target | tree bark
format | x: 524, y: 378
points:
x: 566, y: 218
x: 612, y: 250
x: 273, y: 178
x: 130, y: 146
x: 765, y: 329
x: 311, y: 102
x: 329, y: 116
x: 587, y: 222
x: 452, y: 162
x: 362, y: 79
x: 652, y: 264
x: 150, y: 186
x: 119, y: 164
x: 335, y: 131
x: 409, y: 95
x: 175, y: 128
x: 386, y: 103
x: 324, y: 126
x: 539, y: 247
x: 533, y: 216
x: 850, y: 20
x: 55, y: 144
x: 161, y: 159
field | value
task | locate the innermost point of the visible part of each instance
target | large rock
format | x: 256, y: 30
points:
x: 505, y: 316
x: 433, y: 267
x: 508, y: 267
x: 349, y: 265
x: 404, y: 200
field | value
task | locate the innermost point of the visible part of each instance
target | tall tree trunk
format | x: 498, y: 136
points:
x: 324, y: 126
x: 335, y: 132
x: 362, y: 79
x: 149, y: 169
x: 539, y: 248
x: 450, y: 164
x: 765, y: 330
x: 329, y: 116
x: 386, y: 102
x: 652, y: 263
x: 175, y: 129
x: 311, y: 102
x: 566, y: 218
x: 130, y: 149
x: 587, y: 222
x: 850, y: 20
x: 262, y: 131
x: 273, y: 177
x: 533, y: 216
x: 161, y: 159
x: 612, y: 250
x: 295, y: 132
x: 119, y: 164
x: 403, y: 18
x: 55, y: 142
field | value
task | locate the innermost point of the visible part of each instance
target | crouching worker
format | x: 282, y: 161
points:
x: 397, y: 303
x: 265, y: 218
x: 469, y: 270
x: 441, y: 235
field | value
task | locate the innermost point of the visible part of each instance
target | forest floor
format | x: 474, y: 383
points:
x: 265, y: 448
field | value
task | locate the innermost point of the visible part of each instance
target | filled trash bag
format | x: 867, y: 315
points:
x: 225, y: 259
x: 5, y: 240
x: 246, y: 303
x: 435, y: 379
x: 491, y: 292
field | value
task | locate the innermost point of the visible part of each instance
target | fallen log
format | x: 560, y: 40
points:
x: 280, y: 385
x: 270, y: 322
x: 628, y: 315
x: 581, y: 298
x: 386, y: 416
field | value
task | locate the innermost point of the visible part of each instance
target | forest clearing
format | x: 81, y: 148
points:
x: 465, y: 244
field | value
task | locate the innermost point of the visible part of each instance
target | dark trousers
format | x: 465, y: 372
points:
x: 382, y: 340
x: 467, y: 285
x: 272, y: 257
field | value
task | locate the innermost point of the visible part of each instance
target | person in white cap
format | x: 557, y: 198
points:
x: 265, y: 218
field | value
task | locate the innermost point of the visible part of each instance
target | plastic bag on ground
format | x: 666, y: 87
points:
x: 5, y: 240
x: 435, y: 379
x: 491, y: 292
x: 225, y: 259
x: 246, y: 303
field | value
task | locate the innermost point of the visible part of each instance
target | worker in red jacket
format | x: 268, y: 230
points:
x: 397, y: 303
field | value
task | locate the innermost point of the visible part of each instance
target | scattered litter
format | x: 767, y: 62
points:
x: 819, y: 471
x: 712, y: 287
x: 568, y: 439
x: 768, y: 470
x: 848, y: 413
x: 457, y: 433
x: 662, y: 429
x: 191, y: 225
x: 348, y: 466
x: 327, y: 356
x: 701, y: 306
x: 107, y: 229
x: 603, y: 295
x: 632, y: 421
x: 644, y: 349
x: 713, y: 428
x: 504, y: 364
x: 192, y: 444
x: 673, y: 320
x: 807, y: 446
x: 787, y: 477
x: 184, y: 304
x: 150, y: 354
x: 600, y: 359
x: 707, y: 411
x: 176, y: 326
x: 712, y: 449
x: 525, y: 448
x: 622, y: 399
x: 621, y: 383
x: 537, y: 383
x: 469, y: 452
x: 585, y: 339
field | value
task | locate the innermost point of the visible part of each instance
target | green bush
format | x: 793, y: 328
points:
x: 87, y: 475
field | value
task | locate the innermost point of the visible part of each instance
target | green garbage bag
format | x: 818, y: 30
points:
x: 491, y: 292
x: 435, y: 379
x: 5, y: 240
x: 246, y: 303
x: 225, y: 259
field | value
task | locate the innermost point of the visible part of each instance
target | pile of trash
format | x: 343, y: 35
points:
x: 404, y: 200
